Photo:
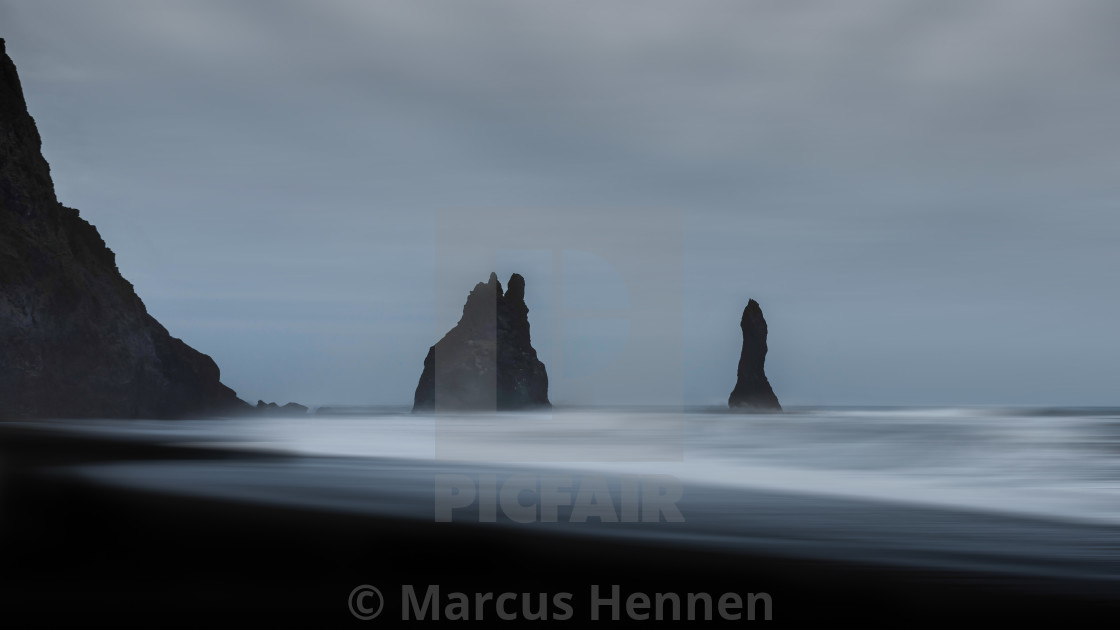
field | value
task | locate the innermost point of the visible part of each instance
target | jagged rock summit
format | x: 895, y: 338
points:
x: 75, y: 340
x: 486, y: 362
x: 752, y: 389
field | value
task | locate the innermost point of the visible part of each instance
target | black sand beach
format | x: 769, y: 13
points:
x: 82, y: 552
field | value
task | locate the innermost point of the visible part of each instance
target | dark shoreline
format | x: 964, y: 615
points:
x: 76, y: 551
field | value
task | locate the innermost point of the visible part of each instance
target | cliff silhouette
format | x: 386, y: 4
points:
x: 75, y: 339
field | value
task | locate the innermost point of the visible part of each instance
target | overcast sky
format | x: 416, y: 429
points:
x: 923, y: 196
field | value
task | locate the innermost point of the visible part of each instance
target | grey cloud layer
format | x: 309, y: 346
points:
x: 922, y: 195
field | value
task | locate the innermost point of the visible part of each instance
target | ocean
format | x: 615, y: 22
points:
x: 1017, y: 491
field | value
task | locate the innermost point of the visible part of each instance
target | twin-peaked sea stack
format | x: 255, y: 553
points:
x: 752, y: 389
x: 75, y: 340
x: 486, y: 362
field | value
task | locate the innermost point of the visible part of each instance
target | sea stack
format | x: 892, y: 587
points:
x: 75, y: 340
x: 752, y: 389
x: 486, y: 362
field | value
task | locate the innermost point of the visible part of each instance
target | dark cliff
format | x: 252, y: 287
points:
x: 486, y: 361
x: 75, y: 340
x: 752, y: 389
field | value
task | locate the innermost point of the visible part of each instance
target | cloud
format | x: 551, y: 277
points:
x: 877, y: 171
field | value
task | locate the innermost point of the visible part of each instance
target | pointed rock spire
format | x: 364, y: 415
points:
x: 752, y: 388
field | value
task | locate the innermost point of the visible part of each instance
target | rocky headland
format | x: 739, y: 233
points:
x: 75, y: 339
